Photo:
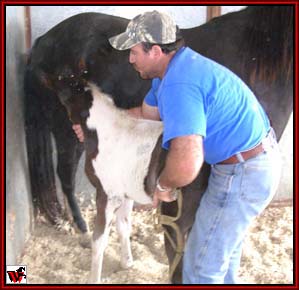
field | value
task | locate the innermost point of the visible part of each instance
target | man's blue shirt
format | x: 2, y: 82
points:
x: 199, y: 96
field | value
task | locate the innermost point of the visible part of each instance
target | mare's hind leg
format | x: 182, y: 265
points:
x: 69, y: 151
x: 123, y: 225
x: 191, y: 199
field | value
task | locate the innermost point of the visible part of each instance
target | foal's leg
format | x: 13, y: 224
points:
x: 106, y: 207
x: 123, y: 225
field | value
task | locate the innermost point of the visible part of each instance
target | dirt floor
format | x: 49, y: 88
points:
x: 60, y: 256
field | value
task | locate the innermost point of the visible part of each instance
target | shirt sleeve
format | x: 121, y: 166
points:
x: 183, y: 112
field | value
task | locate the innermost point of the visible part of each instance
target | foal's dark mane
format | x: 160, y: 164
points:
x: 267, y: 45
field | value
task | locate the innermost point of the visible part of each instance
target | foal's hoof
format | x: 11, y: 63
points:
x: 126, y: 263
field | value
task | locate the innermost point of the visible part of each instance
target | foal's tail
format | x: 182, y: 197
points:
x: 39, y: 146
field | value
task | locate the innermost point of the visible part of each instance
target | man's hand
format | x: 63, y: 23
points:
x: 167, y: 196
x: 79, y: 132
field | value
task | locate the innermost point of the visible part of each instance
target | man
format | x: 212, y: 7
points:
x: 208, y: 114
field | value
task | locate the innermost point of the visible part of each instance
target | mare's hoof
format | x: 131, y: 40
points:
x: 85, y: 241
x: 81, y: 225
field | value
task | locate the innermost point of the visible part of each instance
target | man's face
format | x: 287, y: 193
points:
x: 143, y: 62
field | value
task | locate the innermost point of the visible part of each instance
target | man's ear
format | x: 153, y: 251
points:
x: 157, y: 51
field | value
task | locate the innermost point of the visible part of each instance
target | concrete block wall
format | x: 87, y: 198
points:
x: 18, y: 200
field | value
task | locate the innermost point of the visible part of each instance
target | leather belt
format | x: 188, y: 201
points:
x: 246, y: 155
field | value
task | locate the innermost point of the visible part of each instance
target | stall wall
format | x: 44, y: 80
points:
x: 18, y: 200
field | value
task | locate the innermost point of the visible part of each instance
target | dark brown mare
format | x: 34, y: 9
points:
x: 256, y: 43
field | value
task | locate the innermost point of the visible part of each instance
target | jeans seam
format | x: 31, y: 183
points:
x: 214, y: 225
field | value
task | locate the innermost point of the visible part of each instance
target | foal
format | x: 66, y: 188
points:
x: 125, y: 147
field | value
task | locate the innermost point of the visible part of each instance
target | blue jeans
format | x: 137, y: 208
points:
x: 235, y: 195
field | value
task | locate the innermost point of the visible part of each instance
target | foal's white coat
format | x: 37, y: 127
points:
x: 125, y: 147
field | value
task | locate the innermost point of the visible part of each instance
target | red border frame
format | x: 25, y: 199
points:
x: 2, y: 170
x: 2, y: 150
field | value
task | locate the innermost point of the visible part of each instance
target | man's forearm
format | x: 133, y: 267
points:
x: 145, y: 112
x: 183, y: 163
x: 135, y: 112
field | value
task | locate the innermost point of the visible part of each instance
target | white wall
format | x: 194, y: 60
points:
x: 18, y: 200
x: 227, y: 9
x: 186, y: 16
x: 286, y: 186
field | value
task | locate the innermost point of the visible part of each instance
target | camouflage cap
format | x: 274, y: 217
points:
x: 152, y: 27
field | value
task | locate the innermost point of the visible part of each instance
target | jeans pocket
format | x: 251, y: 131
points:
x: 219, y: 186
x: 256, y: 183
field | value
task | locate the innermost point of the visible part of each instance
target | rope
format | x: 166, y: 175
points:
x: 178, y: 246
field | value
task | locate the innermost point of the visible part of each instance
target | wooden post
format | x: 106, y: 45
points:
x: 213, y: 11
x: 27, y: 18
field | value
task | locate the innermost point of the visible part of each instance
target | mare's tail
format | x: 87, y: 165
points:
x: 38, y: 119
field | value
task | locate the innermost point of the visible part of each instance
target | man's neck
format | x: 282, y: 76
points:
x: 165, y: 62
